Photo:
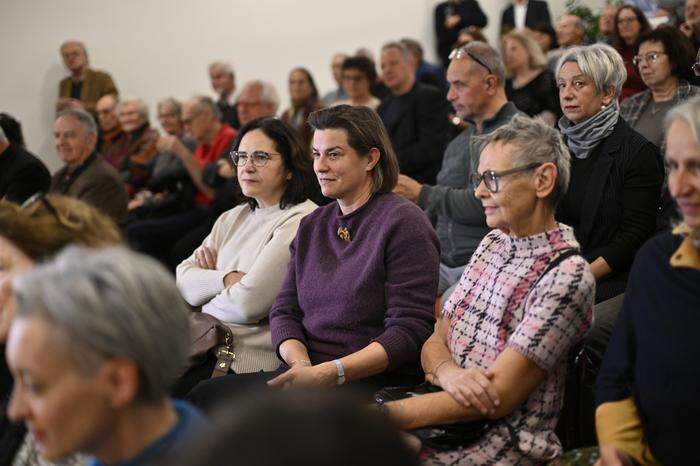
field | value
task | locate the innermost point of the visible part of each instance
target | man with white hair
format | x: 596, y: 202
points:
x: 86, y: 175
x: 223, y: 80
x: 84, y: 86
x: 570, y: 33
x: 257, y: 99
x: 136, y: 164
x: 21, y: 173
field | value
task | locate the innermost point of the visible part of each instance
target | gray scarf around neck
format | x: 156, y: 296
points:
x: 583, y: 137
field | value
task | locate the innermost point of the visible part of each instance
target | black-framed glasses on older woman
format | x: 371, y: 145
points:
x: 490, y: 177
x: 258, y: 158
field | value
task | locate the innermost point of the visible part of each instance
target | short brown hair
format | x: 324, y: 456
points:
x: 365, y: 131
x: 50, y: 223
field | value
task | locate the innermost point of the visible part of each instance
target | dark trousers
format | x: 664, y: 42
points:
x: 157, y: 236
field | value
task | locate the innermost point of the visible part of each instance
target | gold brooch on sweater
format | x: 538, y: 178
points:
x: 344, y: 234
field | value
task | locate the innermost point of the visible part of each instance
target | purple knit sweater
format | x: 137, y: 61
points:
x: 340, y: 296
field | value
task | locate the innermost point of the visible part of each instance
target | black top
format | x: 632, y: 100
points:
x: 11, y: 434
x: 620, y: 199
x: 229, y: 114
x: 580, y: 176
x: 417, y: 126
x: 76, y: 88
x: 537, y: 96
x: 470, y: 14
x: 654, y: 352
x: 21, y: 175
x: 537, y: 14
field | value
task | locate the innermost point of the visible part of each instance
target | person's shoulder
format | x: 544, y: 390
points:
x: 427, y: 91
x: 98, y: 75
x: 303, y: 208
x: 657, y: 250
x: 320, y: 214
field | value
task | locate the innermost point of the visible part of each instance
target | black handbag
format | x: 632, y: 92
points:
x: 441, y: 437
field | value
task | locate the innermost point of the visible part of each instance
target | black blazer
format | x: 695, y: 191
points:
x: 470, y: 14
x: 21, y: 175
x: 621, y: 199
x: 537, y: 13
x: 419, y: 132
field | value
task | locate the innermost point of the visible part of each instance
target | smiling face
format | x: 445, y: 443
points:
x: 65, y: 410
x: 265, y: 184
x: 106, y: 113
x: 578, y: 96
x: 342, y: 173
x: 169, y: 119
x: 654, y: 73
x: 683, y: 160
x: 510, y: 208
x: 13, y: 262
x: 130, y: 117
x: 73, y: 142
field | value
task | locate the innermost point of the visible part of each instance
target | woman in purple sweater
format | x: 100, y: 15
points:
x: 357, y: 301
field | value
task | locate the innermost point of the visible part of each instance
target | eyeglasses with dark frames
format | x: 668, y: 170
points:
x: 490, y: 177
x: 462, y: 52
x: 259, y: 158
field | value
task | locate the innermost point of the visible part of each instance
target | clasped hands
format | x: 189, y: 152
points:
x: 472, y: 387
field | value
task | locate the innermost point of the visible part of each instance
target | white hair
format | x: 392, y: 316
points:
x: 600, y: 62
x: 83, y: 117
x: 142, y: 108
x: 111, y: 303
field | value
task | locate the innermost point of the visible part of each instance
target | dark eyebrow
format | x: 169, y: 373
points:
x: 329, y: 149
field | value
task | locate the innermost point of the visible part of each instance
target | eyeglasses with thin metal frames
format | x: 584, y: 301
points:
x: 258, y: 158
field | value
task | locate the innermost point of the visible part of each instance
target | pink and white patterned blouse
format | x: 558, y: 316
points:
x: 497, y: 306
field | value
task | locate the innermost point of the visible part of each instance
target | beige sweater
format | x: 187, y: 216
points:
x: 257, y: 244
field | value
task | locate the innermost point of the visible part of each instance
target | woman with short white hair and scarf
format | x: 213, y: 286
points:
x: 616, y: 174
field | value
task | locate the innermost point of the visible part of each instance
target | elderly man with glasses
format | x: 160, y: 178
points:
x: 477, y: 94
x: 201, y: 119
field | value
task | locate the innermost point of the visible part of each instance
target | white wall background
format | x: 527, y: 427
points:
x: 160, y: 48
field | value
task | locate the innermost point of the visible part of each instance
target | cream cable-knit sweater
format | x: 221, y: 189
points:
x: 257, y: 244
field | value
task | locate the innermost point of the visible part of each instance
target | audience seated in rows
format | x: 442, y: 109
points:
x: 84, y: 87
x: 616, y: 174
x: 96, y: 340
x: 500, y: 347
x: 530, y: 84
x: 477, y: 95
x: 86, y: 175
x: 570, y: 33
x: 21, y: 172
x: 415, y: 116
x: 338, y: 94
x: 630, y: 26
x: 650, y: 392
x: 223, y: 81
x: 521, y: 14
x: 451, y: 17
x: 358, y: 76
x: 328, y: 429
x: 113, y: 141
x: 170, y: 188
x: 201, y: 119
x: 29, y: 234
x: 304, y: 100
x: 136, y: 164
x: 426, y: 72
x: 664, y: 60
x: 357, y: 301
x: 238, y: 270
